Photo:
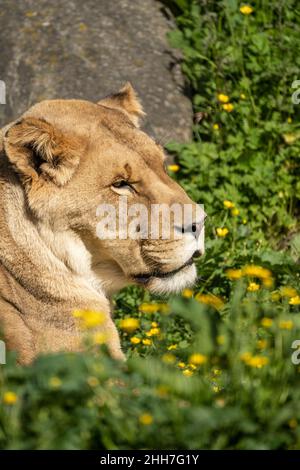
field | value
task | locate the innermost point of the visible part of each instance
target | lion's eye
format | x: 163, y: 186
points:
x: 121, y: 184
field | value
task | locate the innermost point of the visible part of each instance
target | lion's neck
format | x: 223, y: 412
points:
x: 52, y: 265
x: 67, y: 246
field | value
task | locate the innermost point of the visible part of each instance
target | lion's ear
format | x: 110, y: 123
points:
x: 126, y: 100
x: 36, y: 149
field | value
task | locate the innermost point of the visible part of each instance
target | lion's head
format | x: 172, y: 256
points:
x: 72, y: 157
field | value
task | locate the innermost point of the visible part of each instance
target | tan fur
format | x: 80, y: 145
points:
x: 57, y: 164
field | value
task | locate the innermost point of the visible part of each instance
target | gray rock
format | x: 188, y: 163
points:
x: 87, y: 49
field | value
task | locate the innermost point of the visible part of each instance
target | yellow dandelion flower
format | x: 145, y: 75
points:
x: 154, y: 324
x: 147, y: 342
x: 268, y: 282
x: 164, y: 309
x: 228, y: 204
x: 295, y: 300
x: 146, y: 419
x: 262, y: 344
x: 234, y: 274
x: 100, y: 338
x: 235, y: 212
x: 275, y: 296
x: 293, y: 423
x: 92, y: 319
x: 253, y: 287
x: 197, y: 359
x: 290, y: 138
x: 245, y: 357
x: 222, y: 232
x: 135, y: 340
x: 162, y: 391
x: 174, y: 168
x: 223, y: 98
x: 169, y: 358
x: 286, y: 324
x: 172, y: 347
x: 10, y: 398
x: 148, y: 333
x: 55, y: 382
x: 187, y: 373
x: 228, y: 107
x: 129, y: 324
x: 187, y: 293
x: 153, y: 332
x: 288, y: 291
x: 266, y: 322
x: 149, y: 308
x: 181, y: 365
x: 89, y: 319
x: 221, y: 340
x: 258, y: 361
x: 92, y: 381
x: 246, y: 10
x: 210, y: 299
x: 216, y: 127
x: 256, y: 271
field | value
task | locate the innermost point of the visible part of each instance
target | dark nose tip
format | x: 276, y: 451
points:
x: 196, y: 254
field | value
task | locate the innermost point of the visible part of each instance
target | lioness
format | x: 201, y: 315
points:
x: 58, y: 162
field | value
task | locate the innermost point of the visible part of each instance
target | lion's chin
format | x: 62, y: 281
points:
x: 186, y: 277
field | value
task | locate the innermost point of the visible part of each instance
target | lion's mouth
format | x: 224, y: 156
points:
x: 144, y: 278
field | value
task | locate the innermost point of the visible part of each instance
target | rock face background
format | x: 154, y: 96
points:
x: 88, y: 49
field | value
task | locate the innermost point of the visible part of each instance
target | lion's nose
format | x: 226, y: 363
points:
x: 197, y: 254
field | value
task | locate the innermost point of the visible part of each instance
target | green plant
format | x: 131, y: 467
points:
x: 246, y: 149
x: 231, y: 384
